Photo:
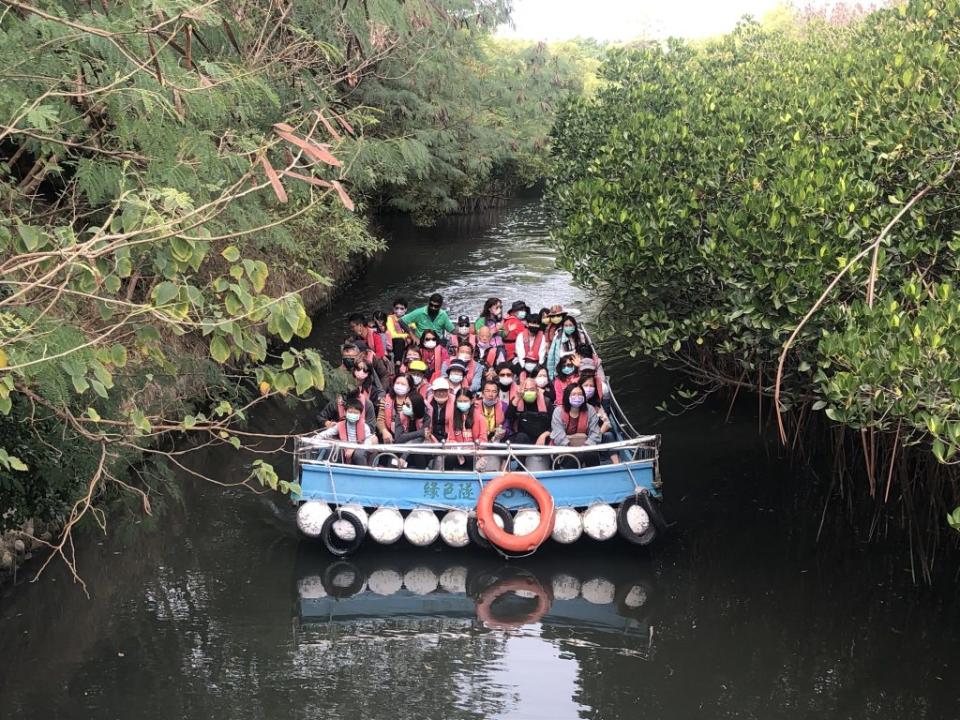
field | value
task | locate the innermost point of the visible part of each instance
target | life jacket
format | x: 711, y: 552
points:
x: 582, y: 420
x: 560, y: 384
x: 513, y: 326
x: 481, y: 418
x: 389, y: 407
x: 457, y: 338
x: 462, y: 434
x: 469, y: 374
x: 488, y: 357
x: 435, y: 363
x: 424, y: 389
x: 531, y: 347
x: 361, y: 428
x: 341, y: 407
x: 541, y: 403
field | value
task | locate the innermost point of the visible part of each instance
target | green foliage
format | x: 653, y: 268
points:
x: 713, y: 193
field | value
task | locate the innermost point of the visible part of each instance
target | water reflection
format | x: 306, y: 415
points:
x: 483, y: 634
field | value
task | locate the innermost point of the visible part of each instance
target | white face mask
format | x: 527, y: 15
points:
x: 541, y: 381
x: 465, y: 358
x: 530, y: 366
x: 430, y: 344
x: 400, y: 390
x: 417, y: 379
x: 455, y: 377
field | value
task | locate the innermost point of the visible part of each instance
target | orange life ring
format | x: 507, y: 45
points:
x: 502, y: 587
x: 503, y: 539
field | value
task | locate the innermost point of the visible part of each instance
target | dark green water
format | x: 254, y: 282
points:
x: 223, y: 613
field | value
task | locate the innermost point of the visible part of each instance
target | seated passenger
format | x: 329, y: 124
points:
x: 488, y: 354
x: 588, y: 370
x: 541, y: 379
x: 354, y: 428
x: 463, y: 334
x: 574, y: 422
x: 565, y: 375
x: 490, y: 414
x: 430, y: 317
x: 590, y: 384
x: 365, y: 383
x: 513, y: 325
x: 529, y: 415
x: 457, y: 375
x: 531, y: 345
x: 400, y: 413
x: 566, y: 342
x: 434, y: 354
x: 397, y: 330
x: 360, y: 329
x: 450, y: 421
x: 506, y: 377
x: 551, y: 323
x: 490, y: 317
x: 418, y: 376
x: 472, y: 372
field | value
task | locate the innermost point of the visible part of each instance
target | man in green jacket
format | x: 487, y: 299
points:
x: 431, y: 316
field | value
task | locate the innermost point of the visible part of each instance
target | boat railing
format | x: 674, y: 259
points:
x: 312, y: 450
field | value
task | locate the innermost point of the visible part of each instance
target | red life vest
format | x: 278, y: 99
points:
x: 479, y: 417
x: 364, y: 396
x: 462, y: 434
x: 361, y: 428
x: 531, y: 347
x: 388, y: 410
x: 560, y: 384
x: 512, y: 326
x: 489, y: 356
x: 581, y: 420
x: 435, y: 363
x: 541, y: 403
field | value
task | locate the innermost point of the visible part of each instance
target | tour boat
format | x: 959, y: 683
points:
x: 523, y: 496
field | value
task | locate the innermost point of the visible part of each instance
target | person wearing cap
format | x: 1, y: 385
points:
x: 513, y: 325
x: 457, y: 375
x: 431, y: 316
x: 551, y: 322
x: 437, y: 410
x: 417, y: 369
x: 463, y: 334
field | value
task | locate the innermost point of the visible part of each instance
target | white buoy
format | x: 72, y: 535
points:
x: 526, y: 521
x: 421, y: 527
x: 385, y: 525
x: 600, y: 521
x: 598, y: 591
x: 454, y: 579
x: 310, y: 517
x: 311, y: 588
x: 420, y: 580
x: 565, y: 587
x: 638, y: 520
x: 636, y: 597
x: 343, y: 529
x: 567, y: 526
x: 497, y: 520
x: 453, y: 529
x: 384, y: 581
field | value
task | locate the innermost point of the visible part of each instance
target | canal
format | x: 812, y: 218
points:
x: 217, y: 610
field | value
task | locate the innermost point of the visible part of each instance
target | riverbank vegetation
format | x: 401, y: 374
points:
x: 182, y: 183
x: 776, y: 211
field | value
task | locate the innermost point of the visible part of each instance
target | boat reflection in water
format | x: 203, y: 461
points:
x: 558, y: 598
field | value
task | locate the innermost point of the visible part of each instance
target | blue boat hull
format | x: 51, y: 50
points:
x: 408, y: 489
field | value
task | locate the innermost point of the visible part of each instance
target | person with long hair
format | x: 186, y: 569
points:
x: 491, y: 316
x: 575, y: 423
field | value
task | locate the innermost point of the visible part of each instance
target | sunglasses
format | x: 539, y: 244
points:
x: 434, y: 307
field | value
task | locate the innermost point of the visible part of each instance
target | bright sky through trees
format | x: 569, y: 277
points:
x: 627, y: 19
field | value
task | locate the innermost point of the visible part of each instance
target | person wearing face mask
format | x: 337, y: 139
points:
x: 513, y: 325
x: 530, y: 414
x: 464, y: 355
x: 491, y: 316
x: 506, y: 378
x: 354, y: 428
x: 491, y: 412
x: 552, y: 321
x: 431, y: 316
x: 400, y: 419
x: 365, y: 383
x: 588, y: 371
x: 564, y: 375
x: 397, y: 330
x: 450, y: 420
x: 417, y: 369
x: 541, y: 378
x: 531, y: 345
x: 463, y: 334
x: 488, y: 354
x: 434, y: 354
x: 589, y: 385
x: 361, y: 329
x: 566, y: 342
x: 575, y: 423
x: 457, y: 375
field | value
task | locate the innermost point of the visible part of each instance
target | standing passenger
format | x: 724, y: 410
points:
x: 397, y: 330
x: 490, y: 317
x: 434, y: 354
x: 513, y: 326
x: 430, y: 317
x: 531, y: 345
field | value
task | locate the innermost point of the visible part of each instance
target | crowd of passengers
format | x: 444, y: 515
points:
x: 415, y: 377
